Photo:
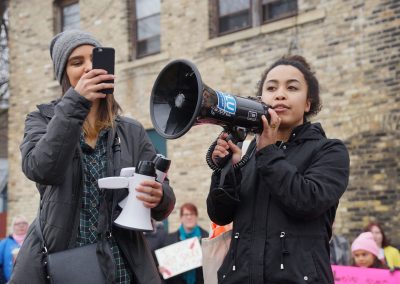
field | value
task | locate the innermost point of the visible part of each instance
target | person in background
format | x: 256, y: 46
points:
x: 214, y: 249
x: 68, y: 145
x: 188, y: 229
x: 387, y: 253
x: 9, y: 246
x: 365, y: 252
x: 340, y: 253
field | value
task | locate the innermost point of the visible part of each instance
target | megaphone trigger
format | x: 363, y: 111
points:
x: 236, y: 135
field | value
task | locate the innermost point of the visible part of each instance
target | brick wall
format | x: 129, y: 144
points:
x: 352, y: 45
x: 3, y: 133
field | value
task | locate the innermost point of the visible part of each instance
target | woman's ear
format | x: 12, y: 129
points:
x: 307, y: 106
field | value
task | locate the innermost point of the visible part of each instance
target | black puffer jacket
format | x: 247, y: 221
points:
x: 51, y: 156
x: 283, y: 222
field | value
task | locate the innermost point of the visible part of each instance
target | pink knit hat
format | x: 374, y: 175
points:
x: 365, y: 241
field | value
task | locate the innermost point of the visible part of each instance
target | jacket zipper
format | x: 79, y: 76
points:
x: 266, y: 226
x: 236, y: 240
x: 283, y: 248
x: 78, y: 191
x: 114, y: 147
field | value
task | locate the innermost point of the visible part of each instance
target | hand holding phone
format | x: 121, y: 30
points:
x: 104, y: 58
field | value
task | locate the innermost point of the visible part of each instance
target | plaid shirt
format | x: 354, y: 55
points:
x: 95, y: 165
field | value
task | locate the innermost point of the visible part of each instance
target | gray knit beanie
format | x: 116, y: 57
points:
x: 63, y: 44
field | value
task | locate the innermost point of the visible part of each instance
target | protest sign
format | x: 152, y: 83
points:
x: 179, y: 257
x: 360, y: 275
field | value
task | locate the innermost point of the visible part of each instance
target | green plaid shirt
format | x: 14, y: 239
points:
x: 94, y: 166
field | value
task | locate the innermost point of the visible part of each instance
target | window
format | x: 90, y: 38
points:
x: 234, y: 15
x: 275, y: 9
x: 227, y: 16
x: 147, y: 27
x: 70, y: 17
x: 67, y: 15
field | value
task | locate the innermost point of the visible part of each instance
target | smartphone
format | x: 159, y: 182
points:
x: 104, y: 58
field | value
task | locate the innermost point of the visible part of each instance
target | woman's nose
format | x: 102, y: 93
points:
x: 280, y: 94
x: 88, y: 66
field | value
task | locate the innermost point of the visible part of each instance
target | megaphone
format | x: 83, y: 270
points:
x: 134, y: 215
x: 161, y: 165
x: 180, y: 100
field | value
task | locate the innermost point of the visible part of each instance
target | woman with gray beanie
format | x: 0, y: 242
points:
x: 68, y: 145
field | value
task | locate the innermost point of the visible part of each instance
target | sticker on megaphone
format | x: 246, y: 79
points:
x: 226, y: 102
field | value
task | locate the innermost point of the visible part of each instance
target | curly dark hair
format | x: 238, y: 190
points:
x: 302, y: 65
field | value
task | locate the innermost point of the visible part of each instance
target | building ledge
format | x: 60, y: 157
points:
x: 143, y: 61
x: 300, y: 19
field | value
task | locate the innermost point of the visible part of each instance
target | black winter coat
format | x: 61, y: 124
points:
x: 51, y: 156
x: 283, y: 222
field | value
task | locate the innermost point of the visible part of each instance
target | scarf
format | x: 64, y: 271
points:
x: 19, y: 238
x: 190, y: 276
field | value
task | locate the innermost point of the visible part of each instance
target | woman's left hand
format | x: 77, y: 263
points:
x: 270, y: 130
x: 152, y: 193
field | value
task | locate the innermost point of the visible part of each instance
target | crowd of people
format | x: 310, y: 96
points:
x: 371, y: 249
x: 279, y: 203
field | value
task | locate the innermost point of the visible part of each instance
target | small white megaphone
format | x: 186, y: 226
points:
x: 161, y: 164
x: 134, y: 215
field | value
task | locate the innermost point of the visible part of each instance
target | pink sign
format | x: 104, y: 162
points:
x: 358, y: 275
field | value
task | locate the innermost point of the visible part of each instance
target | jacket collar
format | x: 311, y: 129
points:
x: 307, y: 131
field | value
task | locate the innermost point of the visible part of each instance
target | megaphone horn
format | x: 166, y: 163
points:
x: 180, y: 100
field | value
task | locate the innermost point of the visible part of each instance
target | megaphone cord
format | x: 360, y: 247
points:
x: 209, y: 160
x: 218, y: 169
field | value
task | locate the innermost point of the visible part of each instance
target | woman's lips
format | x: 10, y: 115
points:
x: 280, y: 108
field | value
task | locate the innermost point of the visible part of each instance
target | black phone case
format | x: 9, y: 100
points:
x: 104, y: 58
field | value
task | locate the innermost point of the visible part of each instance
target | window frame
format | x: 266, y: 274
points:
x: 236, y: 30
x: 58, y: 6
x: 140, y: 41
x: 283, y: 16
x: 256, y: 17
x: 133, y: 31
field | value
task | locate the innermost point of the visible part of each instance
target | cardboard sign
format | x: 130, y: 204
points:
x: 360, y: 275
x: 179, y: 257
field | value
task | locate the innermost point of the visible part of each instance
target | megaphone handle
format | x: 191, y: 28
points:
x: 221, y: 162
